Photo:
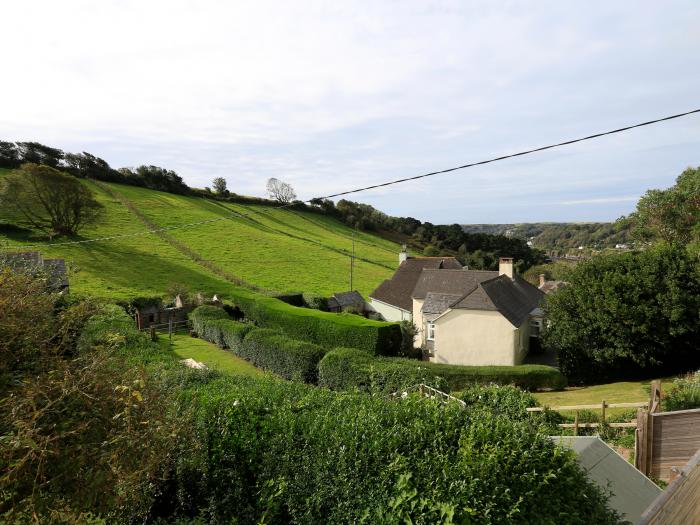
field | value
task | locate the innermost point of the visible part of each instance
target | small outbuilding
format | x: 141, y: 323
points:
x: 342, y: 301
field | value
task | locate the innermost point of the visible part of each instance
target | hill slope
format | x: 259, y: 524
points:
x: 272, y: 249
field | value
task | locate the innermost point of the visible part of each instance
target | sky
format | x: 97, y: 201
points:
x: 330, y: 96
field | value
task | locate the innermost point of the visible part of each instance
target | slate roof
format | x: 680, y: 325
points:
x: 632, y: 491
x: 552, y: 286
x: 345, y: 299
x: 477, y: 290
x: 55, y: 268
x: 397, y: 290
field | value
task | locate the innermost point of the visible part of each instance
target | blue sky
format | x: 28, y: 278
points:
x: 333, y: 95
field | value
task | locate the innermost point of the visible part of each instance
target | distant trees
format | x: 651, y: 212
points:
x: 280, y: 191
x: 9, y: 155
x: 627, y: 315
x: 219, y: 185
x: 49, y: 200
x: 39, y: 154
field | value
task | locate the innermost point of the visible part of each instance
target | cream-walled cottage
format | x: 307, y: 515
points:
x: 468, y: 317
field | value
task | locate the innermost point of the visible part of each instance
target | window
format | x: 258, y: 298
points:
x: 430, y: 331
x: 535, y: 327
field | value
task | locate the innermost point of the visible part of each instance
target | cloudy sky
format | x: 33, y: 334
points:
x: 333, y: 95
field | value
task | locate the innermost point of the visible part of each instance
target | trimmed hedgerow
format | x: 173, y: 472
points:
x: 108, y: 325
x: 202, y: 314
x: 271, y: 350
x: 349, y: 369
x: 323, y: 328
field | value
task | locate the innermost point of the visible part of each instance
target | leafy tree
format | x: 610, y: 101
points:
x: 9, y: 156
x: 280, y: 191
x: 39, y: 154
x: 49, y: 200
x: 219, y: 184
x: 671, y: 215
x: 86, y: 165
x: 627, y: 315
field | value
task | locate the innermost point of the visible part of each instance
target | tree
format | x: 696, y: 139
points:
x: 49, y: 200
x: 280, y: 191
x: 219, y: 184
x: 627, y: 315
x: 9, y: 156
x: 671, y: 215
x: 39, y: 154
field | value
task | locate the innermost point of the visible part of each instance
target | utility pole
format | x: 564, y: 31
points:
x: 352, y: 260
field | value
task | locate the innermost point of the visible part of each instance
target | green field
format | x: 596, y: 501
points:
x: 211, y: 355
x: 277, y: 250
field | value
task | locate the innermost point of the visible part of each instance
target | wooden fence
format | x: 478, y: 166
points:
x: 603, y: 406
x: 666, y: 441
x: 679, y: 504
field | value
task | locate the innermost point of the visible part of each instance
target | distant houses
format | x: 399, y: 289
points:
x: 463, y: 317
x: 54, y: 269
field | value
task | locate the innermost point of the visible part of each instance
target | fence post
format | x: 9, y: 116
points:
x: 602, y: 408
x: 154, y: 336
x: 576, y: 424
x: 640, y: 441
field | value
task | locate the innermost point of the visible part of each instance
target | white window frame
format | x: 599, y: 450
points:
x: 430, y: 331
x: 536, y: 323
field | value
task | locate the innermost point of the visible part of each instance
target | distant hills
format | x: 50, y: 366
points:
x: 561, y: 236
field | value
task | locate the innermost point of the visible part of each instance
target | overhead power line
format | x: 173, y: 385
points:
x: 503, y: 157
x: 384, y: 184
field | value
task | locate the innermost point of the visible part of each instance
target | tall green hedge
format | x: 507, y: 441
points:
x: 289, y: 358
x: 202, y: 314
x: 323, y: 328
x: 349, y: 369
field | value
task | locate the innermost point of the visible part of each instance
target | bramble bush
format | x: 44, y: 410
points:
x: 350, y: 369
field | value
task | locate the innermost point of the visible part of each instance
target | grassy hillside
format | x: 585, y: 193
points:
x: 278, y: 250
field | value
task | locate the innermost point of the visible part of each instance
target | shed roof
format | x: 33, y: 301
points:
x: 345, y: 299
x: 632, y: 491
x: 397, y: 290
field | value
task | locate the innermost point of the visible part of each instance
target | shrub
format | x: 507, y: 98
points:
x: 626, y: 316
x: 276, y: 452
x: 109, y: 326
x: 200, y: 315
x: 291, y: 359
x: 684, y: 394
x: 315, y: 301
x: 348, y: 369
x: 323, y: 328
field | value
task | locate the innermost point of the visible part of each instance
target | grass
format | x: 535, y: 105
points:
x: 280, y: 250
x: 620, y: 392
x: 211, y: 355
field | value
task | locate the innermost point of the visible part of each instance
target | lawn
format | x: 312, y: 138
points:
x: 211, y: 355
x: 621, y: 392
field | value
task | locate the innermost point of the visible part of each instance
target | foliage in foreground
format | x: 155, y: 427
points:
x: 118, y: 431
x: 351, y: 369
x: 684, y: 394
x: 627, y: 315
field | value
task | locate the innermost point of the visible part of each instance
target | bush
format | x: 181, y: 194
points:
x: 315, y: 301
x: 349, y: 369
x: 291, y: 359
x: 200, y: 315
x: 627, y: 316
x: 109, y: 326
x: 326, y: 329
x: 684, y: 394
x: 277, y: 452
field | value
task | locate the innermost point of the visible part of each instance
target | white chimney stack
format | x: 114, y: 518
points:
x: 505, y: 266
x: 403, y: 255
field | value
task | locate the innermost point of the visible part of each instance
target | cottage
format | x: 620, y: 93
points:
x: 550, y: 286
x: 342, y: 301
x: 154, y: 314
x: 54, y: 269
x: 392, y: 299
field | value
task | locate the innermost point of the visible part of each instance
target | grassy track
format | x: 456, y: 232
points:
x: 281, y: 250
x: 211, y: 355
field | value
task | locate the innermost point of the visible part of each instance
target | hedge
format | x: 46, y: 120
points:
x: 270, y: 350
x: 349, y: 369
x: 202, y: 314
x: 225, y: 333
x: 110, y: 325
x: 323, y: 328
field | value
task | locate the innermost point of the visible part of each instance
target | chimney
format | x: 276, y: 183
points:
x: 403, y: 255
x: 542, y: 280
x: 505, y: 266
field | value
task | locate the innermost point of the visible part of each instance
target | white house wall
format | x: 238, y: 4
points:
x: 389, y: 312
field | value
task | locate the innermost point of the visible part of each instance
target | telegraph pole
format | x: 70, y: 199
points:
x: 352, y: 260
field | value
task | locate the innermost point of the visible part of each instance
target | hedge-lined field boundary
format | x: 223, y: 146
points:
x: 265, y: 348
x: 350, y: 369
x: 326, y: 329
